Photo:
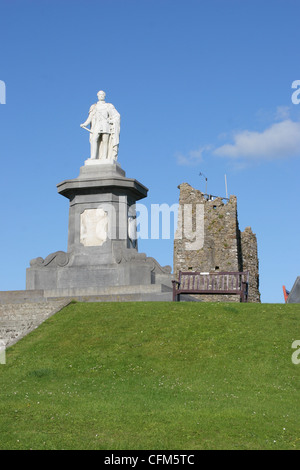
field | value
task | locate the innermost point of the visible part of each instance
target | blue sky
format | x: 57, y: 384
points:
x: 201, y: 86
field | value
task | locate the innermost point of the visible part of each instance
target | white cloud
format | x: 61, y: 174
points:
x: 280, y: 140
x: 268, y: 116
x: 192, y: 158
x: 282, y: 112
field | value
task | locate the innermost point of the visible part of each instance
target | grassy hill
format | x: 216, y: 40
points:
x: 155, y: 376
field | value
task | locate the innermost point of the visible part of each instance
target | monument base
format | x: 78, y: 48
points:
x: 102, y: 247
x: 98, y: 162
x: 101, y: 168
x: 143, y: 273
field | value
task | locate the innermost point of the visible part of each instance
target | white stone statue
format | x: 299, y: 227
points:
x: 104, y: 130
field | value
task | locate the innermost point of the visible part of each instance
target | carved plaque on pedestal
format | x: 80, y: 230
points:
x: 93, y: 227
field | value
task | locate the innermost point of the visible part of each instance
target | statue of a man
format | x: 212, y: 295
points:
x: 104, y: 122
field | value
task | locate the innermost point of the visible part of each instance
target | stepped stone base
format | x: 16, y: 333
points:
x: 21, y: 296
x: 23, y: 311
x: 17, y: 319
x: 151, y: 292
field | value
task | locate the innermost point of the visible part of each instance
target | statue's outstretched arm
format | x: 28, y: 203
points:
x: 89, y: 119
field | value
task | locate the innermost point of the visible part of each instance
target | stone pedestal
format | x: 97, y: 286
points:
x: 102, y: 248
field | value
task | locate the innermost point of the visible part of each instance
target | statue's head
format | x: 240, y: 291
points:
x: 101, y: 95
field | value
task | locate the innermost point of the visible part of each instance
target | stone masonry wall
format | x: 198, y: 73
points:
x: 225, y: 248
x: 250, y: 262
x: 19, y: 319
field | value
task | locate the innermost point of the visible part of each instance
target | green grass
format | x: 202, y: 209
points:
x: 154, y: 376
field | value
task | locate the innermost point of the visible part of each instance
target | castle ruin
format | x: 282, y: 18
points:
x: 224, y: 247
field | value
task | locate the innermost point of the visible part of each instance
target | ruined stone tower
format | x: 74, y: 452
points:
x: 224, y: 247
